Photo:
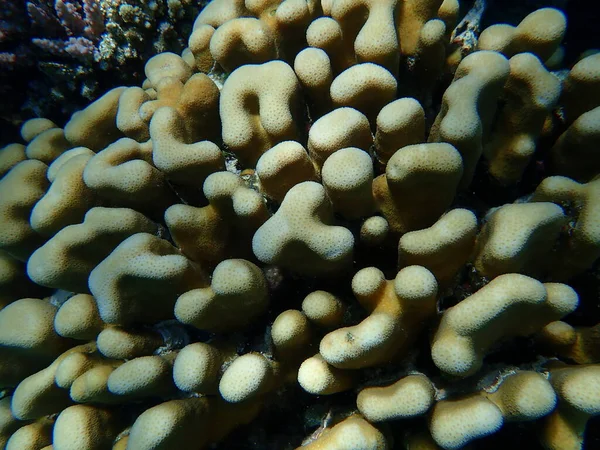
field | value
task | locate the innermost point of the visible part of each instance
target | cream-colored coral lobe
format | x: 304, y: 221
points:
x: 326, y: 224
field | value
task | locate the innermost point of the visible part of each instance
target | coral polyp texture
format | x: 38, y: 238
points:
x: 336, y: 224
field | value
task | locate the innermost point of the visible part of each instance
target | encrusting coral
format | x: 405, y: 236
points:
x: 323, y: 216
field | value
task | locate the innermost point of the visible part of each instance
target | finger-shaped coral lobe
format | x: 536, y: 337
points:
x: 67, y: 200
x: 531, y: 92
x: 259, y: 107
x: 394, y: 306
x: 326, y: 34
x: 183, y: 162
x: 196, y: 368
x: 347, y: 177
x: 248, y: 376
x: 454, y: 423
x: 341, y: 128
x: 38, y: 395
x: 37, y: 434
x: 469, y: 105
x: 121, y: 343
x: 410, y: 396
x: 14, y: 282
x: 581, y: 92
x: 366, y: 87
x: 20, y: 190
x: 78, y: 318
x: 282, y: 167
x: 242, y: 41
x: 301, y: 237
x: 66, y: 260
x: 85, y: 427
x: 573, y: 154
x: 517, y: 238
x: 510, y: 305
x: 237, y: 294
x: 35, y: 345
x: 315, y: 73
x: 124, y: 174
x: 579, y: 344
x: 48, y: 145
x: 317, y: 377
x: 523, y: 396
x: 172, y: 423
x: 581, y: 245
x: 399, y: 123
x: 34, y: 127
x: 222, y: 229
x: 443, y: 248
x: 347, y: 434
x: 419, y: 184
x: 578, y: 392
x: 95, y: 126
x: 323, y: 309
x: 540, y: 33
x: 10, y: 156
x: 291, y: 333
x: 141, y: 280
x: 146, y: 376
x: 374, y: 231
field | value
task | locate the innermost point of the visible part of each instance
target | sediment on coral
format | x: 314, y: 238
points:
x: 346, y: 224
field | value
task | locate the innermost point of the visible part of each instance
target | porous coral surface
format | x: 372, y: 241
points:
x: 335, y: 224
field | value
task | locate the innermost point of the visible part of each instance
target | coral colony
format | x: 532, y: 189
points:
x: 62, y: 54
x: 338, y: 225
